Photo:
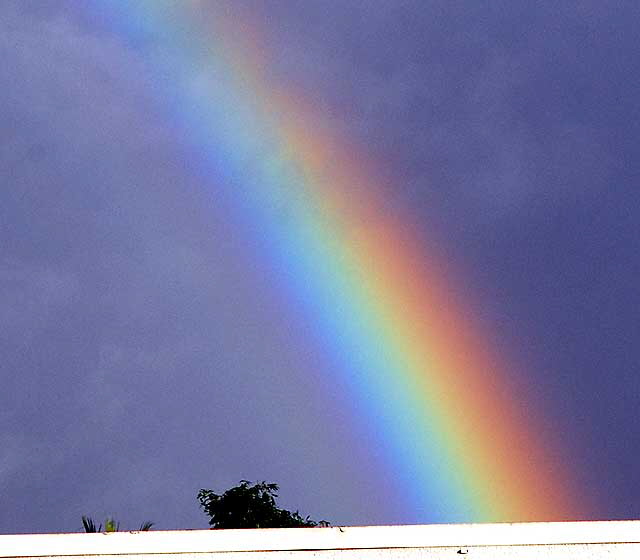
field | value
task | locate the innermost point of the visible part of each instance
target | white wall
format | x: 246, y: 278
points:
x: 524, y: 541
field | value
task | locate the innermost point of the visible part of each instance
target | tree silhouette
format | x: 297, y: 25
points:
x: 250, y: 506
x: 110, y: 525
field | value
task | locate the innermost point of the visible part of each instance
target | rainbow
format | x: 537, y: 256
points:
x: 453, y: 426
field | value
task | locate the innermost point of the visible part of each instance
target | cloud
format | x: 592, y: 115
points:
x: 448, y: 100
x: 141, y: 329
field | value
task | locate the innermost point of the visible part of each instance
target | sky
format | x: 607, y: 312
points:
x: 147, y: 352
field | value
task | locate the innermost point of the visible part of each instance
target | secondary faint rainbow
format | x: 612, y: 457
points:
x: 452, y: 426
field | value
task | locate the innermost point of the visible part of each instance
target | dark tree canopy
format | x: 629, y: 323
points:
x: 250, y: 506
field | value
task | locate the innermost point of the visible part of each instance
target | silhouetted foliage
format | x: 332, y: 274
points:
x: 90, y: 526
x: 250, y: 506
x: 110, y: 525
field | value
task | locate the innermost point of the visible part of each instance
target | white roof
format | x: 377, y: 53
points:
x: 318, y: 539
